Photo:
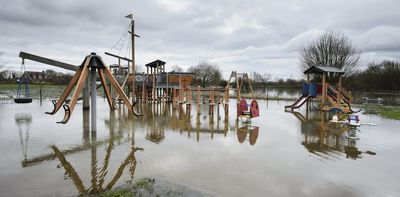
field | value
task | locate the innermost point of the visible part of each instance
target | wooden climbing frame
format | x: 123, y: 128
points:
x: 91, y: 61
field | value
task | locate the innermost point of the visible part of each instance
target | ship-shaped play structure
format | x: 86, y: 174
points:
x: 330, y: 97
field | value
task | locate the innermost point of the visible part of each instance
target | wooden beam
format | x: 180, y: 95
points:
x: 119, y: 57
x: 105, y: 87
x: 47, y: 61
x: 66, y: 92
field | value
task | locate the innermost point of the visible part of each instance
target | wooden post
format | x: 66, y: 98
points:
x: 148, y: 76
x: 143, y: 88
x: 324, y: 89
x: 180, y: 95
x: 174, y: 97
x: 188, y: 99
x: 156, y: 88
x: 198, y: 100
x: 218, y: 100
x: 338, y: 95
x: 212, y: 102
x: 153, y: 90
x: 226, y: 96
x: 167, y: 93
x: 238, y: 89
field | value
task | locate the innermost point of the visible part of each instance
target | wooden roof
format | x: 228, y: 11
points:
x: 323, y: 69
x: 180, y: 73
x: 155, y: 63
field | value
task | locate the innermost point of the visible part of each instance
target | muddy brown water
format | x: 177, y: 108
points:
x: 278, y: 154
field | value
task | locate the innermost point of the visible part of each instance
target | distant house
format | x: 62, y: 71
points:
x: 35, y: 76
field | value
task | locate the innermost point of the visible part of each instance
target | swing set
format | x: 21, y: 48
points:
x: 23, y: 93
x: 244, y: 109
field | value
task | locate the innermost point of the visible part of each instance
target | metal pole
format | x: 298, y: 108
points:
x: 93, y: 98
x: 86, y: 103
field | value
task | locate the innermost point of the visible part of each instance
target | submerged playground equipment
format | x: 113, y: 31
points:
x: 244, y: 109
x: 330, y: 97
x: 155, y: 85
x: 92, y: 62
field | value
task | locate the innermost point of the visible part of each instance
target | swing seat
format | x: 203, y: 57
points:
x: 23, y: 100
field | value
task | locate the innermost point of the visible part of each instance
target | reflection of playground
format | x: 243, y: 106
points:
x: 248, y: 129
x: 89, y: 142
x: 162, y: 117
x: 23, y: 120
x: 326, y: 139
x: 97, y: 181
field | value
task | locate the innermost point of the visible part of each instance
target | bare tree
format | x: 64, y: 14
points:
x: 176, y: 68
x: 3, y: 73
x: 1, y: 61
x: 332, y: 50
x: 260, y: 79
x: 206, y: 74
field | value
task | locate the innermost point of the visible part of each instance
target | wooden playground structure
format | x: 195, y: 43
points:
x: 333, y: 98
x: 121, y: 83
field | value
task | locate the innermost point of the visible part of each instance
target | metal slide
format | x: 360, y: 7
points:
x: 299, y: 102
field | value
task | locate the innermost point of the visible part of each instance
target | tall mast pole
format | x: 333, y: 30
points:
x: 132, y: 32
x: 133, y: 58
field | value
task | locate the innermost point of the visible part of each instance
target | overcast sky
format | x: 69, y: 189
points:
x: 256, y: 35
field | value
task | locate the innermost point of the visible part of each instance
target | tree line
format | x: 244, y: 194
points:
x: 383, y: 76
x: 50, y: 76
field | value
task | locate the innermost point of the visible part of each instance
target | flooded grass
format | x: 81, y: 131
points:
x: 391, y: 112
x: 152, y: 187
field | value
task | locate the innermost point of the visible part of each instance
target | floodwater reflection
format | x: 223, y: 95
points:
x: 161, y: 118
x: 164, y: 117
x: 23, y: 120
x: 327, y: 139
x: 283, y: 155
x: 89, y: 142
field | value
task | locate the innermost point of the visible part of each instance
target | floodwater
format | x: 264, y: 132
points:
x: 279, y: 154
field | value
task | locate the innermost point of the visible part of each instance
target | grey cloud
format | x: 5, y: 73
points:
x: 252, y: 36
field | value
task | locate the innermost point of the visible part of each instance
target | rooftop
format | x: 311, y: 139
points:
x: 155, y: 63
x: 323, y: 69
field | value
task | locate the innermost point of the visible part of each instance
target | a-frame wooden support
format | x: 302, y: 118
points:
x: 240, y: 78
x: 91, y: 61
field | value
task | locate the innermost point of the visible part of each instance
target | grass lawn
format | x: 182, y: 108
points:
x: 391, y: 112
x: 32, y: 86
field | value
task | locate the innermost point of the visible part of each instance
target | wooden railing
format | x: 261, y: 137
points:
x: 345, y: 93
